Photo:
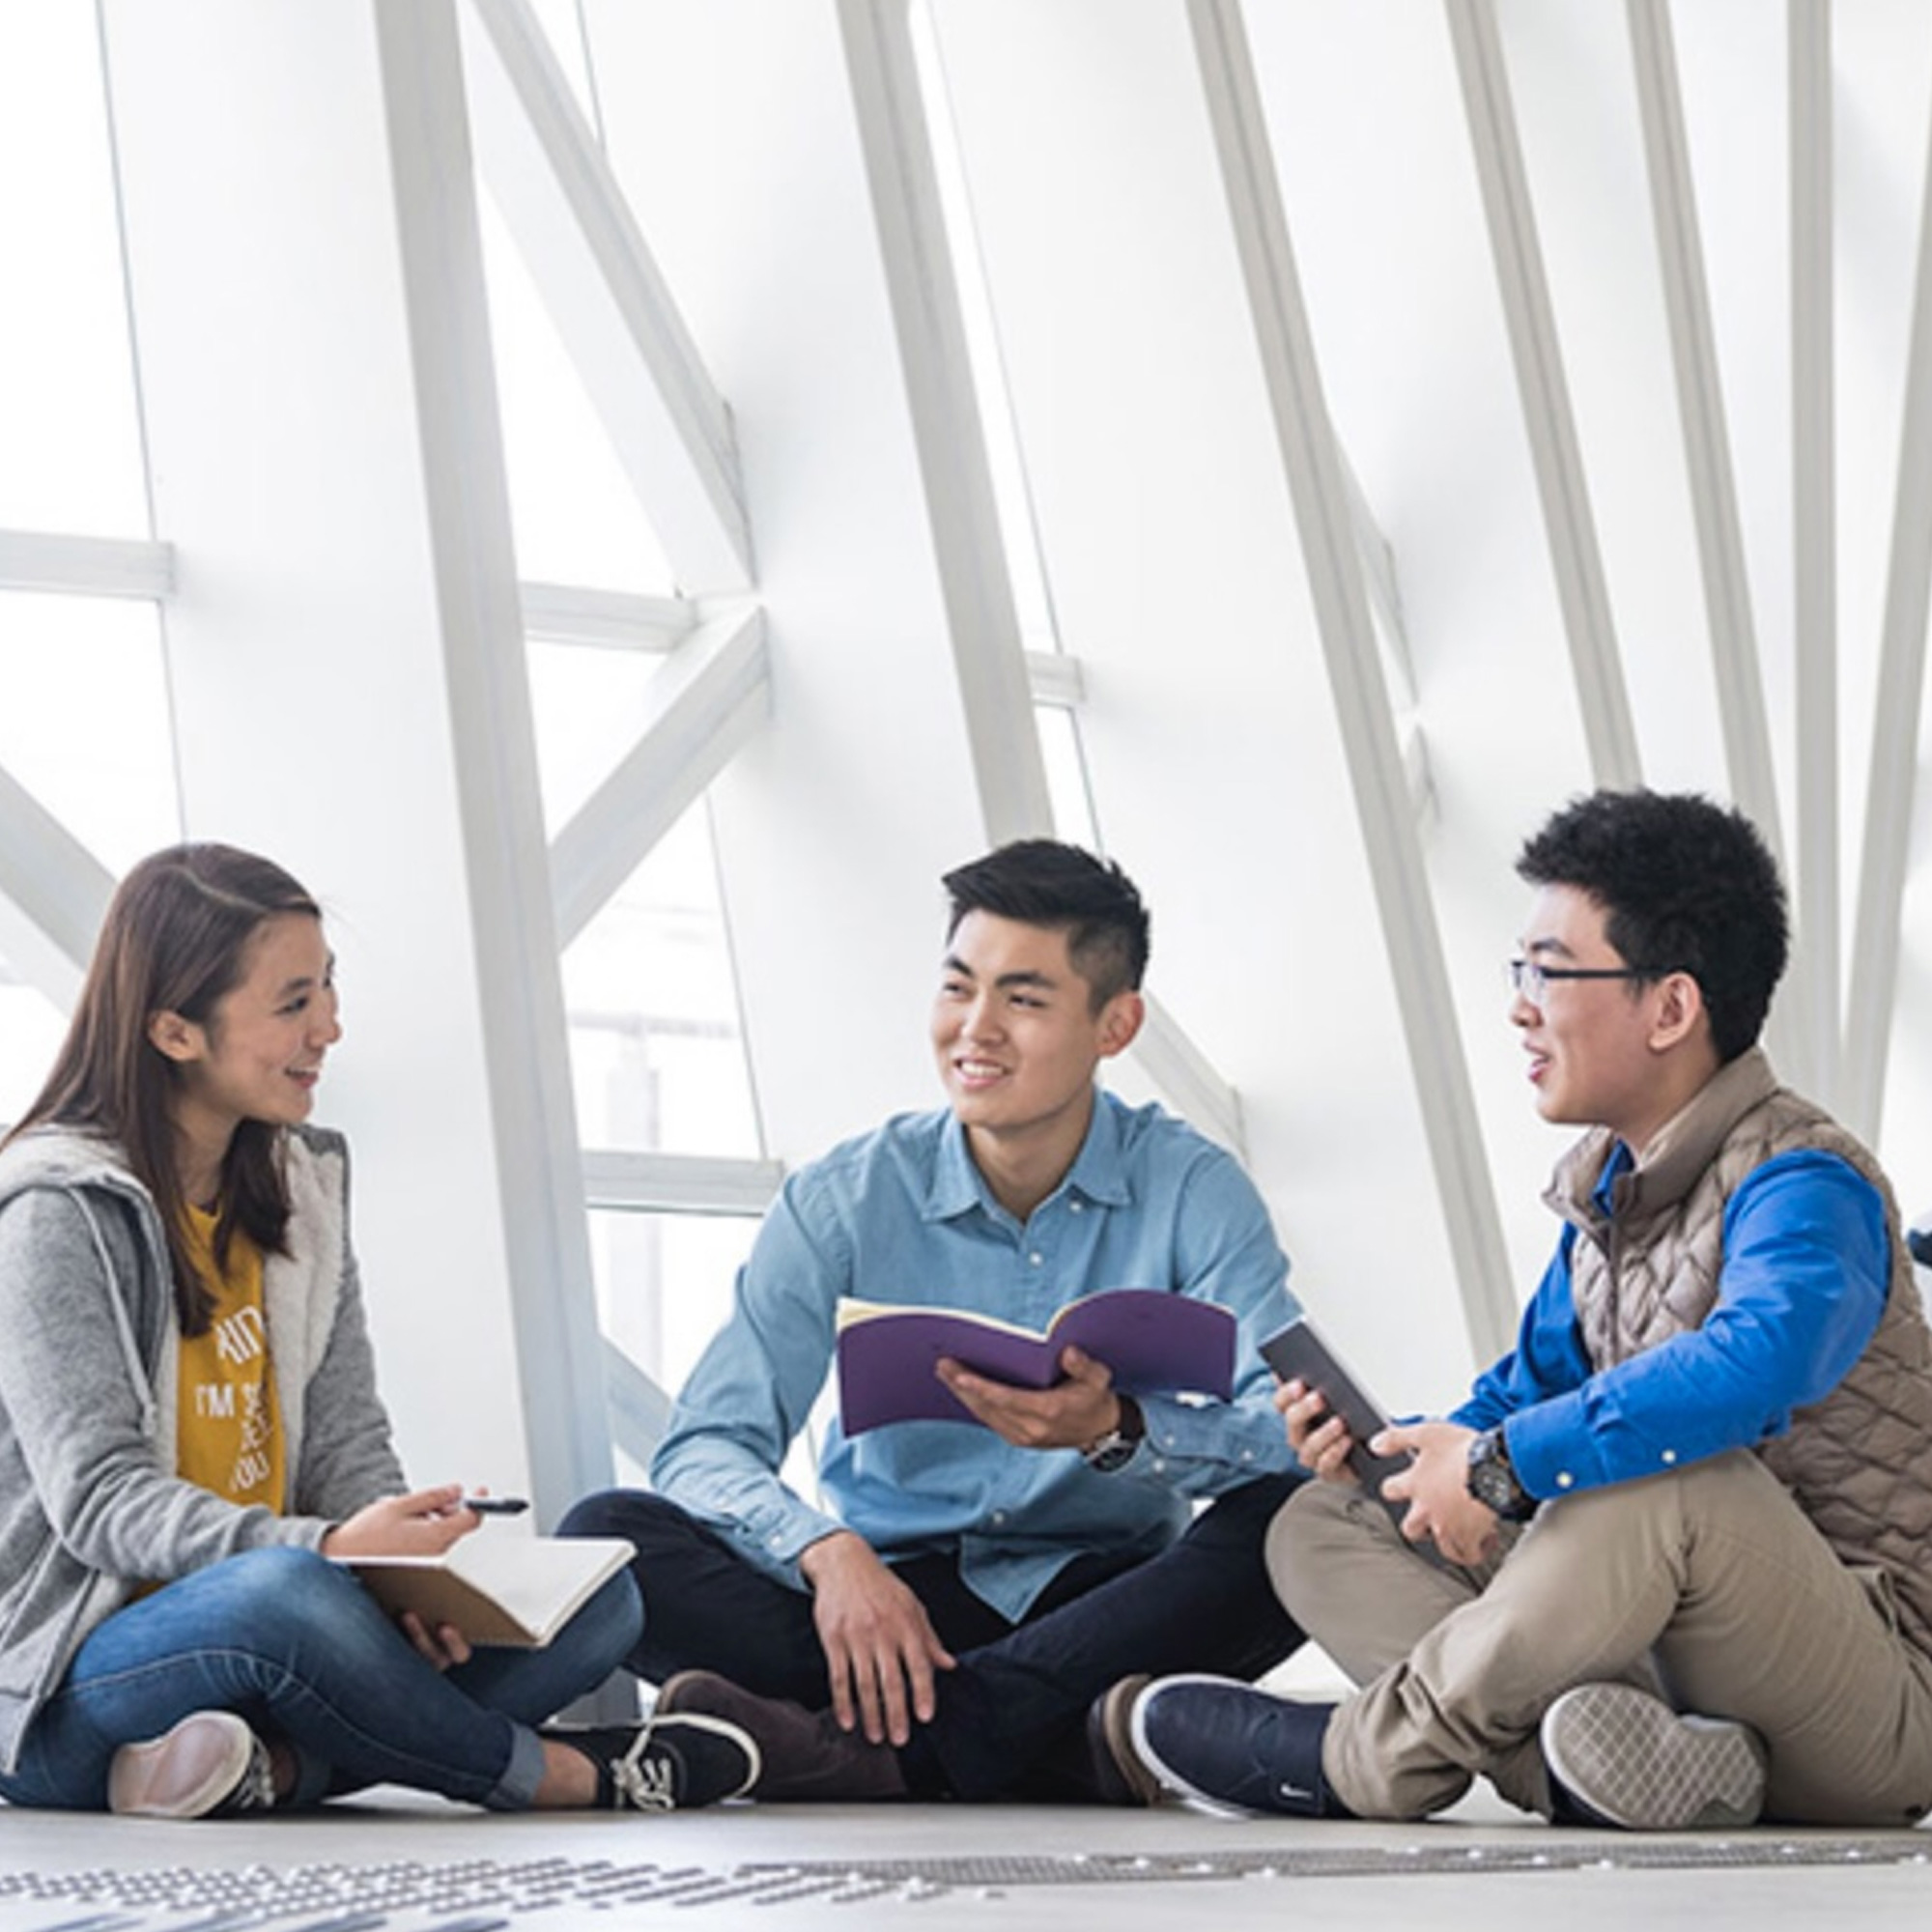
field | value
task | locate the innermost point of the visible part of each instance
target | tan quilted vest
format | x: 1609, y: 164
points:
x: 1860, y: 1463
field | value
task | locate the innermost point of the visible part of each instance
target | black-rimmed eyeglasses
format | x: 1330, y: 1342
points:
x: 1532, y: 978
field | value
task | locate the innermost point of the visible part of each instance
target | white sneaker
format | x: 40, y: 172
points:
x: 211, y: 1765
x: 1621, y: 1757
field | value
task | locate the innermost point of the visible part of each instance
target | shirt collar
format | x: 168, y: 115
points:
x: 1099, y: 1172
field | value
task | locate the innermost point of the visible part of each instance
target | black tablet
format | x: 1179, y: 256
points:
x: 1299, y: 1353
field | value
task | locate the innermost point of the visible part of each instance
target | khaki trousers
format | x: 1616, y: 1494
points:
x: 1708, y: 1585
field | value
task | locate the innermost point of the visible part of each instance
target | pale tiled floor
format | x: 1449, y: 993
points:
x: 952, y: 1868
x: 948, y: 1868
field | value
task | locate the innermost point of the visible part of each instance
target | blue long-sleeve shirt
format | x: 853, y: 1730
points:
x: 903, y: 1215
x: 1806, y: 1271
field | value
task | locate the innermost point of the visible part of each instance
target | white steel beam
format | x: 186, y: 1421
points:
x: 1891, y: 787
x: 53, y: 893
x: 553, y: 1312
x: 1701, y: 401
x: 1188, y: 1079
x: 671, y: 431
x: 712, y: 695
x: 1055, y: 677
x: 1312, y: 462
x: 1379, y: 573
x: 639, y: 1409
x: 981, y: 615
x: 1555, y: 451
x: 678, y: 1183
x: 1814, y: 538
x: 85, y: 566
x: 569, y: 613
x: 999, y: 680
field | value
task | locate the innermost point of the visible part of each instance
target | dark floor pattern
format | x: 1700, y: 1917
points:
x: 480, y: 1894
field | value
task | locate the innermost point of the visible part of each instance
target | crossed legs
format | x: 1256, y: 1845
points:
x: 1707, y: 1584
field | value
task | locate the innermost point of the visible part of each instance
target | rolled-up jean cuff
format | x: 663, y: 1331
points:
x: 517, y: 1789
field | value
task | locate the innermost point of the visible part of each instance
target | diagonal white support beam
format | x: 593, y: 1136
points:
x: 86, y: 566
x: 568, y: 613
x: 981, y: 615
x: 1701, y: 401
x: 712, y: 695
x: 639, y: 1409
x: 1379, y: 574
x: 1892, y: 788
x: 671, y: 431
x: 53, y: 893
x: 1555, y: 451
x: 999, y: 680
x: 1814, y: 538
x: 1188, y: 1079
x: 1055, y: 677
x: 1385, y: 592
x: 637, y: 1183
x: 558, y: 1350
x: 1311, y: 463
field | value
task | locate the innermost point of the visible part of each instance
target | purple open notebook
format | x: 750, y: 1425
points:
x: 1157, y: 1342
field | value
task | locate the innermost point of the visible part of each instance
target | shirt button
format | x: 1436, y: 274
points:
x: 1036, y: 1258
x: 1565, y: 1480
x: 1670, y: 1457
x: 1159, y: 1467
x: 1074, y: 1206
x: 999, y: 1518
x: 775, y: 1539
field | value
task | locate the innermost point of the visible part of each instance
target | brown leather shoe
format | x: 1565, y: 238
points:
x: 1119, y: 1778
x: 805, y: 1757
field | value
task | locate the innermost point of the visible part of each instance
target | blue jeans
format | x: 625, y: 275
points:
x: 298, y: 1648
x: 1011, y: 1722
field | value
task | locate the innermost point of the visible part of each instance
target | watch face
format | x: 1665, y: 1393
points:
x: 1494, y: 1483
x: 1107, y: 1457
x: 1489, y: 1483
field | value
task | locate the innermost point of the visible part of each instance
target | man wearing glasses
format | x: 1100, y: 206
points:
x: 1688, y: 1521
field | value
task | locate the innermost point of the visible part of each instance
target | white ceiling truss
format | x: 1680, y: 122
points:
x: 590, y: 262
x: 1329, y: 545
x: 1894, y: 758
x: 712, y: 693
x: 1555, y: 448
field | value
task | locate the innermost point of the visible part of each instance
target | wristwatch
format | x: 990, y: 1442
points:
x: 1493, y: 1478
x: 1114, y: 1450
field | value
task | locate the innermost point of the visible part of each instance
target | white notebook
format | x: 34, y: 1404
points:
x: 497, y: 1586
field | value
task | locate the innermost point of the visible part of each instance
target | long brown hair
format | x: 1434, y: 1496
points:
x: 174, y: 940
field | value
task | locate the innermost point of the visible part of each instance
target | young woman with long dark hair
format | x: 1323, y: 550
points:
x: 190, y: 1428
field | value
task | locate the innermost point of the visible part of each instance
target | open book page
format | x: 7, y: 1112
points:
x: 497, y: 1586
x: 1155, y: 1341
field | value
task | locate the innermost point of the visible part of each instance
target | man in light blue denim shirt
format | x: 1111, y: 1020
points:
x: 946, y: 1621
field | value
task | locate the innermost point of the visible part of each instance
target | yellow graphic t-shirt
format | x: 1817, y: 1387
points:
x: 228, y: 1435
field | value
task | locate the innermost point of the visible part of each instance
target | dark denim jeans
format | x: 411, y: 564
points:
x: 1012, y: 1716
x: 295, y: 1645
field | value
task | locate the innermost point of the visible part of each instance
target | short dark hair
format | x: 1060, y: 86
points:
x: 1686, y: 886
x: 1042, y: 882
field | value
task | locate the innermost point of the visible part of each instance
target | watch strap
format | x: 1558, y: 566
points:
x: 1114, y: 1450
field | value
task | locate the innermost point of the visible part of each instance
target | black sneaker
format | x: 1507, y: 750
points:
x: 1232, y: 1747
x: 666, y: 1763
x: 211, y: 1765
x: 1619, y: 1756
x: 805, y: 1757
